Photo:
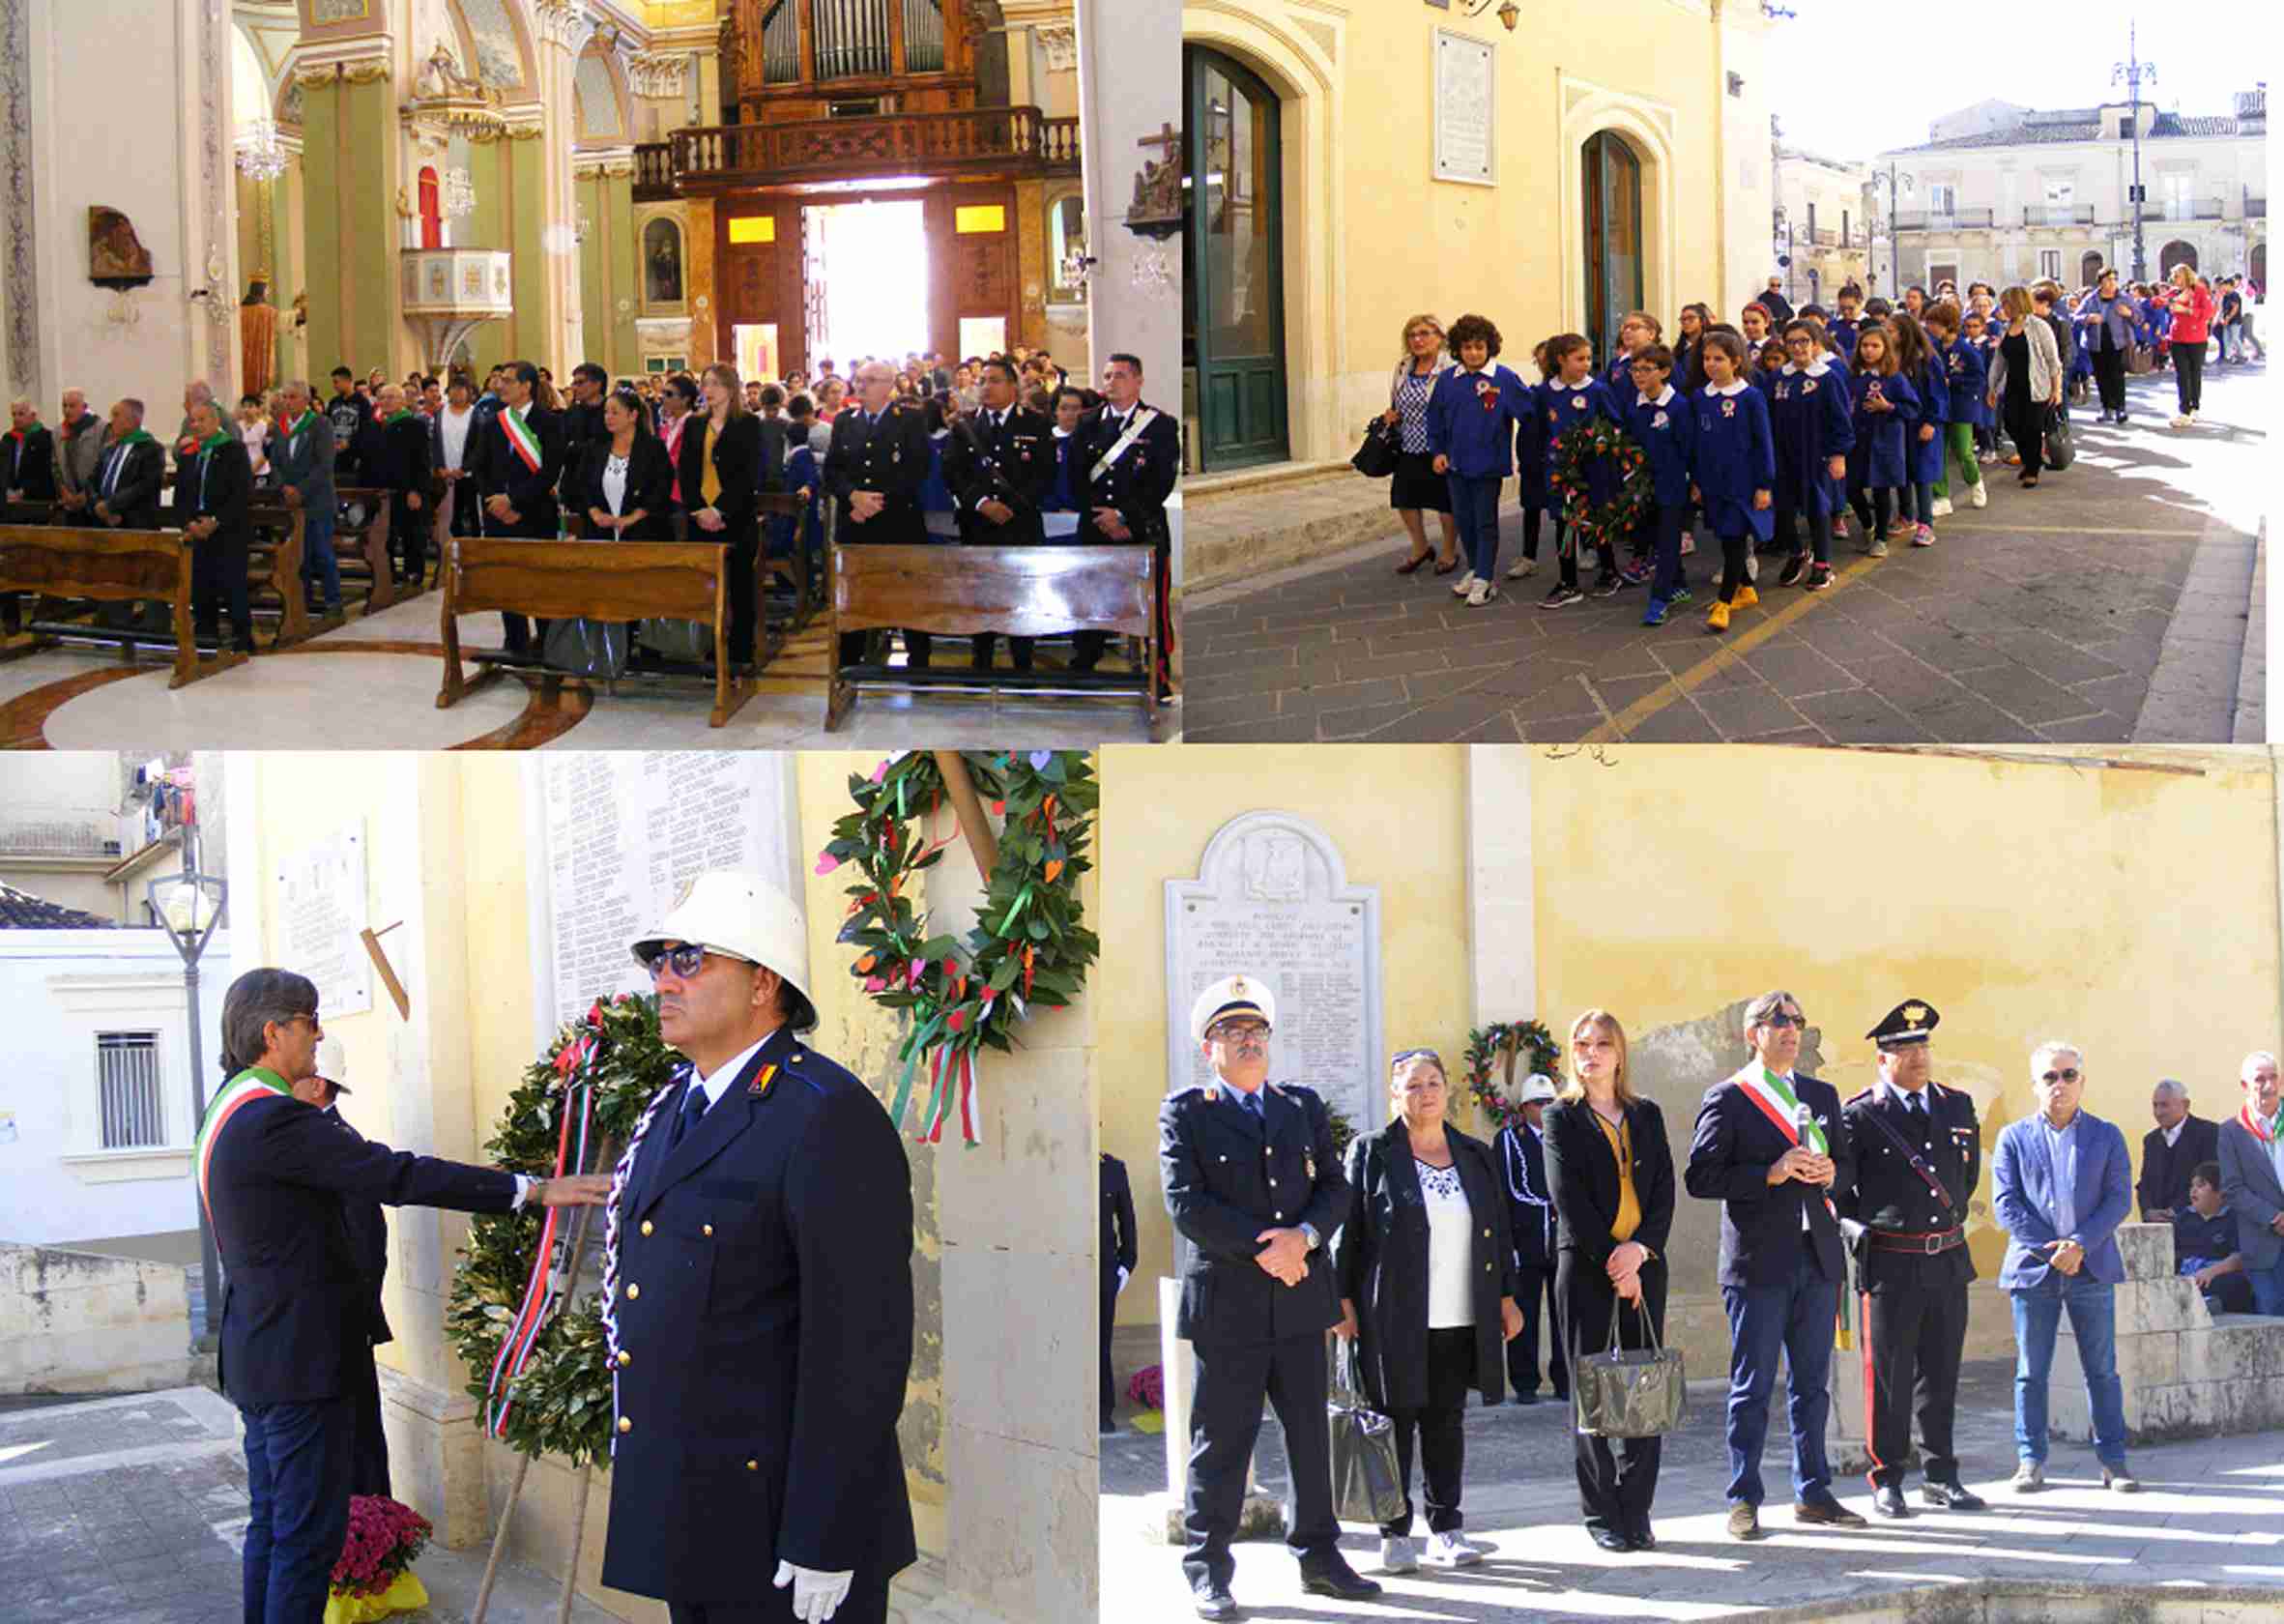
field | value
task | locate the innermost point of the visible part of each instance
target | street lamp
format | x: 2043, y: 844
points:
x: 1784, y: 248
x: 1894, y: 188
x: 190, y: 906
x: 1510, y: 12
x: 2132, y: 71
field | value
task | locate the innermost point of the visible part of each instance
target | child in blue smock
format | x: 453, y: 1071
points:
x: 1844, y: 327
x: 1472, y: 432
x: 1658, y: 417
x: 1961, y: 367
x: 1733, y: 465
x: 1811, y: 423
x: 1975, y: 333
x: 1885, y: 408
x: 1530, y: 469
x: 1916, y: 359
x: 1635, y: 333
x: 1572, y: 396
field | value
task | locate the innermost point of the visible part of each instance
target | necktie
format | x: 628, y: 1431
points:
x: 686, y: 1118
x: 1253, y: 1103
x: 111, y: 476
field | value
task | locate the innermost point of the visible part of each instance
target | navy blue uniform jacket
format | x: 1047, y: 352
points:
x: 1730, y: 1155
x: 764, y: 1310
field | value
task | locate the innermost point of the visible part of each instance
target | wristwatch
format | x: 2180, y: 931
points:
x: 1309, y: 1229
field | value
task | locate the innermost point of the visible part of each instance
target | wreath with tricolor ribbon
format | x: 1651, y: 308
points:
x: 1029, y: 946
x: 1569, y: 470
x: 1495, y: 1053
x: 536, y: 1355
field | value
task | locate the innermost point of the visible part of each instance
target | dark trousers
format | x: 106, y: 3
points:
x: 1615, y: 1487
x: 1732, y: 566
x: 218, y: 575
x: 407, y: 538
x: 2026, y: 427
x: 1522, y: 1353
x: 866, y: 1605
x: 1475, y: 512
x: 1440, y: 1425
x: 1911, y: 1339
x: 1664, y: 528
x: 745, y: 544
x: 1794, y: 1318
x: 369, y: 1467
x: 1875, y: 508
x: 2188, y: 375
x: 2109, y: 377
x: 296, y: 1478
x: 1225, y: 1419
x: 1109, y: 1314
x: 1819, y: 528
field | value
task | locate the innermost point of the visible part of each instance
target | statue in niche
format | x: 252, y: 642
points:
x: 664, y: 263
x: 440, y: 76
x: 257, y: 336
x: 116, y: 257
x: 1157, y: 207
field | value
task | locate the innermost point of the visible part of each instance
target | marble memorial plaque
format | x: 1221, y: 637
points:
x: 321, y: 909
x: 1272, y: 900
x: 1465, y: 131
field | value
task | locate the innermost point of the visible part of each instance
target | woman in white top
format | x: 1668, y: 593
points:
x: 1426, y: 1267
x: 450, y: 453
x: 254, y: 428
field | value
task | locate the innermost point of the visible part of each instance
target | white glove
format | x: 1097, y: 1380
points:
x: 815, y: 1596
x: 1124, y: 1275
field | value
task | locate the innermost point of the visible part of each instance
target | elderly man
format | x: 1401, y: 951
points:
x: 1770, y: 1145
x: 2060, y: 1191
x: 1255, y: 1186
x: 79, y: 447
x: 213, y: 485
x: 124, y: 493
x: 403, y: 472
x: 27, y: 456
x: 1530, y: 1217
x: 274, y: 1173
x: 2171, y: 1151
x: 302, y: 454
x: 759, y: 1293
x: 195, y: 393
x: 2252, y: 1179
x: 874, y: 465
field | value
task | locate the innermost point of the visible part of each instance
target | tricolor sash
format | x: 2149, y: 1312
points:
x: 2266, y: 1131
x: 1780, y: 1105
x: 520, y: 437
x: 244, y: 1089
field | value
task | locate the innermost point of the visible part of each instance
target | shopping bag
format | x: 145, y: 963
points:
x: 584, y: 647
x: 690, y: 641
x: 2060, y: 453
x: 1365, y: 1485
x: 1629, y: 1392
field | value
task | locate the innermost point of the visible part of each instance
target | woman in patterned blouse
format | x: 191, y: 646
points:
x: 1417, y: 487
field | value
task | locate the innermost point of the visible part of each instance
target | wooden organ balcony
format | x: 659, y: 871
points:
x: 1010, y: 141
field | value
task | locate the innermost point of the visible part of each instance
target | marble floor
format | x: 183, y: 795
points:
x: 372, y: 682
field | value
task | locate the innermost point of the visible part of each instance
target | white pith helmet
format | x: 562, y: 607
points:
x: 744, y: 916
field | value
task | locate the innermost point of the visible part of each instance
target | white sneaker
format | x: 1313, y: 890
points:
x: 2179, y: 421
x: 1942, y: 507
x: 1398, y: 1556
x: 1463, y: 584
x: 1451, y: 1551
x: 1481, y: 593
x: 1520, y: 568
x: 1980, y: 497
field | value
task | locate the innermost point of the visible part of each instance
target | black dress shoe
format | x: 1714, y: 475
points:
x: 1887, y: 1500
x: 1826, y: 1514
x: 1526, y: 1398
x: 1952, y: 1495
x: 1335, y: 1577
x: 1609, y: 1539
x: 1643, y: 1539
x: 1216, y: 1603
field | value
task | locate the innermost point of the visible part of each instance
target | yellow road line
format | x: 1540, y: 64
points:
x: 1730, y: 652
x: 1949, y: 525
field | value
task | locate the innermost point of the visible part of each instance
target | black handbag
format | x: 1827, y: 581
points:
x: 1366, y: 1487
x: 1375, y: 458
x: 2060, y: 453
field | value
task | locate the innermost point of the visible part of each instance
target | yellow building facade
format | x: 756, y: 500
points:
x: 1600, y: 158
x: 2130, y: 906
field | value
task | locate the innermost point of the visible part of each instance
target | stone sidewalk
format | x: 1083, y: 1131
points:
x: 2204, y: 1541
x: 2114, y: 603
x: 132, y: 1511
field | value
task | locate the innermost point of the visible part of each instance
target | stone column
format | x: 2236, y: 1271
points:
x: 610, y: 259
x: 349, y: 152
x: 1501, y: 894
x: 564, y: 28
x: 1128, y: 89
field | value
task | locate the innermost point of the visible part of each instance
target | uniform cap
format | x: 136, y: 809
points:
x: 1536, y: 1088
x: 333, y: 1062
x: 1908, y: 1022
x: 1234, y: 994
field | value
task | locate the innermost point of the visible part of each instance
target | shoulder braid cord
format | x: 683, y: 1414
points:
x: 618, y: 1177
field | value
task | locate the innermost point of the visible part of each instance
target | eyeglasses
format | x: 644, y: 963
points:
x: 1781, y: 1020
x: 2069, y: 1074
x: 1251, y: 1036
x: 686, y: 961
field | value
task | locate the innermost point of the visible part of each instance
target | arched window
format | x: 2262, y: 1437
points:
x: 2177, y: 253
x: 431, y: 209
x: 1611, y: 180
x: 2090, y: 270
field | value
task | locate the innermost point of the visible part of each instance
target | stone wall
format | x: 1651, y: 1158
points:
x: 76, y: 1323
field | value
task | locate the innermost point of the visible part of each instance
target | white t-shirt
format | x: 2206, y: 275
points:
x: 1450, y: 1252
x: 452, y: 428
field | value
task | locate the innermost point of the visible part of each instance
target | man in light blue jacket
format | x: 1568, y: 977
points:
x: 302, y: 454
x: 2063, y: 1184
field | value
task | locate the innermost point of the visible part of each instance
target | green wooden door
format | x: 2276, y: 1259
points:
x: 1233, y: 263
x: 1612, y: 190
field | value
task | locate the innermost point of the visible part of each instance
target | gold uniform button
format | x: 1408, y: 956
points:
x: 706, y: 1228
x: 624, y: 1425
x: 1486, y: 1235
x: 753, y: 1466
x: 633, y: 1290
x: 624, y: 1358
x: 1280, y: 1217
x: 646, y: 1226
x: 1225, y: 1158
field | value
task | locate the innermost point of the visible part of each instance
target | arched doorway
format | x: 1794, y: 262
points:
x: 1232, y: 262
x: 1611, y: 177
x: 2260, y: 265
x: 2177, y: 253
x: 2089, y: 270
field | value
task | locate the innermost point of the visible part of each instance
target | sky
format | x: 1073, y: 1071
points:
x: 2036, y: 56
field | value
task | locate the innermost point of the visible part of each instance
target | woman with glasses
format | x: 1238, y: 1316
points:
x: 1610, y: 1177
x: 1426, y: 1269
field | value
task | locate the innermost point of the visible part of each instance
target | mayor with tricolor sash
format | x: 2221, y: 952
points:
x: 517, y: 459
x: 1769, y: 1145
x: 274, y: 1172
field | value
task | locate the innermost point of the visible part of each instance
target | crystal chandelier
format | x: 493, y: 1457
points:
x: 261, y: 155
x: 459, y: 194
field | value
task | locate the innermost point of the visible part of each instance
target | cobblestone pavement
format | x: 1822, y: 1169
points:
x: 2210, y: 1518
x: 2112, y: 604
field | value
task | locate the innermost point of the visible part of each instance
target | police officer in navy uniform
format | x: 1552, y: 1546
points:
x: 1255, y: 1186
x: 999, y: 464
x: 874, y: 466
x: 1522, y: 1149
x: 1919, y: 1155
x: 1119, y: 1255
x: 759, y: 1293
x: 1129, y: 454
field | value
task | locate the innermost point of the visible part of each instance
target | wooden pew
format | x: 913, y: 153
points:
x: 590, y: 580
x: 273, y: 564
x: 1020, y: 591
x: 784, y: 504
x: 363, y: 553
x: 110, y: 567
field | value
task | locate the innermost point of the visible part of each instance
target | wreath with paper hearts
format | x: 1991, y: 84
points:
x: 1506, y: 1041
x: 1028, y: 945
x: 1569, y: 470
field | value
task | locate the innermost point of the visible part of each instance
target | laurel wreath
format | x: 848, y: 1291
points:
x: 1568, y: 471
x: 1490, y: 1048
x: 1028, y: 945
x: 561, y: 1399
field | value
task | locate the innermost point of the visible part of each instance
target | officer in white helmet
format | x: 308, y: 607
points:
x: 1255, y: 1186
x: 759, y: 1295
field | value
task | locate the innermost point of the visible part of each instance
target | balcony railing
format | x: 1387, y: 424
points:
x: 1827, y: 238
x: 2175, y: 209
x: 2058, y: 213
x: 977, y: 138
x: 2255, y: 208
x: 55, y: 838
x: 654, y: 172
x: 1952, y: 219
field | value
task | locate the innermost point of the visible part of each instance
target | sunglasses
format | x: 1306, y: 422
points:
x: 1251, y: 1036
x: 686, y: 961
x: 2069, y: 1074
x: 1781, y: 1020
x: 1405, y: 1057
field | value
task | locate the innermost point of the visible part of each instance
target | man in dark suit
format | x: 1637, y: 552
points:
x: 403, y: 470
x: 582, y: 419
x: 213, y: 486
x: 1919, y: 1155
x: 874, y: 466
x: 368, y: 1244
x: 27, y: 456
x: 758, y: 1294
x: 1530, y: 1217
x: 1128, y: 457
x: 274, y: 1172
x: 1770, y: 1145
x: 1117, y: 1255
x: 2172, y: 1150
x: 302, y: 455
x: 127, y: 477
x: 999, y: 464
x: 516, y: 458
x: 1256, y: 1188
